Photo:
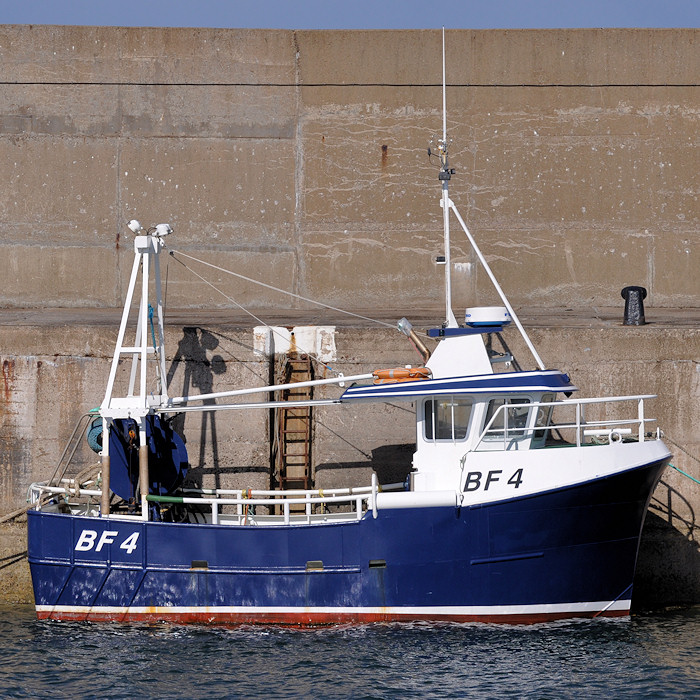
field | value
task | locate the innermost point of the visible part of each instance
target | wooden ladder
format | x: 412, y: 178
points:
x: 293, y: 426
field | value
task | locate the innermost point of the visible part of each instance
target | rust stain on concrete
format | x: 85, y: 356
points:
x: 8, y: 372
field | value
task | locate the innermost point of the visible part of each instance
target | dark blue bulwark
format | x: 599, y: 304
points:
x: 503, y: 382
x: 571, y: 545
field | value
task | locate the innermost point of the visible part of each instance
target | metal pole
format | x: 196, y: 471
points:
x: 450, y: 320
x: 271, y: 387
x: 104, y: 501
x: 444, y: 98
x: 501, y: 293
x: 143, y: 468
x: 444, y: 203
x: 143, y: 325
x: 122, y: 330
x: 161, y: 371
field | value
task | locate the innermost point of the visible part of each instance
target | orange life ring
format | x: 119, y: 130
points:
x: 401, y: 374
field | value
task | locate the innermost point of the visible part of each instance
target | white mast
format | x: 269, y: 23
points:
x: 137, y: 405
x: 450, y: 321
x: 446, y: 203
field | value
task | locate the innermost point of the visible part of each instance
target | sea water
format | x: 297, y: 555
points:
x: 645, y: 656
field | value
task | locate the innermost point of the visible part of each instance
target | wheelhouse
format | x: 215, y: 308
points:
x: 485, y: 422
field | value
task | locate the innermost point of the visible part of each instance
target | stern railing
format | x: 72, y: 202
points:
x: 360, y: 500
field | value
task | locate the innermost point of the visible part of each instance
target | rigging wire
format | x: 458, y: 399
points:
x: 281, y: 291
x: 242, y: 308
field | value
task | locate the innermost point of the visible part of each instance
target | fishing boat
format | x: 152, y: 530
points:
x: 523, y: 502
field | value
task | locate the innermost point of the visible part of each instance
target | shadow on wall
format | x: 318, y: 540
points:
x: 392, y: 463
x: 668, y: 565
x: 196, y: 351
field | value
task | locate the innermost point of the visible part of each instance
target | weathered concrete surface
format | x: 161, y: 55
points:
x: 15, y: 580
x: 299, y: 154
x: 299, y: 158
x: 53, y: 373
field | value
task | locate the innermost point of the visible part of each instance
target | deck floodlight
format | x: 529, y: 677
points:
x: 163, y: 230
x: 404, y: 325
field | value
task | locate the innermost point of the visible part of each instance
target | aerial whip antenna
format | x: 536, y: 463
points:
x: 444, y: 177
x: 446, y: 203
x: 444, y: 91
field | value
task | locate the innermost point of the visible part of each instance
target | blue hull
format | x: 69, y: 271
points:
x: 563, y: 553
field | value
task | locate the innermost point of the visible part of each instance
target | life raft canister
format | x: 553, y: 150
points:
x: 401, y: 374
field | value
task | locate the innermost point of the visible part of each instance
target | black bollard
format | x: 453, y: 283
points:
x: 634, y: 306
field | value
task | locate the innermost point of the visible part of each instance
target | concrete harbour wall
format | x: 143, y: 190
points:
x: 45, y: 392
x: 302, y: 157
x: 299, y: 158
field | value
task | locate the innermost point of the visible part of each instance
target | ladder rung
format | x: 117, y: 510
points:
x: 294, y: 426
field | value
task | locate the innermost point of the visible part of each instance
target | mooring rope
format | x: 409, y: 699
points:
x: 682, y: 449
x: 680, y: 471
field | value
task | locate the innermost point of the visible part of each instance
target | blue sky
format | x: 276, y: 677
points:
x: 356, y: 14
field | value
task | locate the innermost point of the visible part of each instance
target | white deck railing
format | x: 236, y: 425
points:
x: 613, y: 429
x: 360, y: 499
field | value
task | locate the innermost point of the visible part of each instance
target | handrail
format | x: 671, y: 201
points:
x: 578, y: 425
x: 286, y: 493
x: 244, y: 500
x: 357, y: 497
x: 38, y: 489
x: 74, y: 442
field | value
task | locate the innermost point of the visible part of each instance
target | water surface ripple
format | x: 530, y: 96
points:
x: 647, y: 656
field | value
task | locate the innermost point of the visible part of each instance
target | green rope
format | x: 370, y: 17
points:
x: 153, y: 330
x: 692, y: 478
x: 164, y: 499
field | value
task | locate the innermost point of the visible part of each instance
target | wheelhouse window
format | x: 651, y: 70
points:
x: 446, y: 418
x: 515, y: 414
x: 544, y: 418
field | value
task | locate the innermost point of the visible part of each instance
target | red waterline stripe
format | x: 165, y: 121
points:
x: 310, y: 619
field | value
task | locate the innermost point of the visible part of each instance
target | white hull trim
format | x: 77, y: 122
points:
x: 455, y: 611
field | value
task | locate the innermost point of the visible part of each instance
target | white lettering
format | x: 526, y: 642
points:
x: 129, y: 544
x: 107, y: 537
x: 86, y: 541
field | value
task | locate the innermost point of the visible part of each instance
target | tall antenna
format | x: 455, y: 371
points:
x: 444, y: 92
x: 444, y: 177
x: 446, y: 203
